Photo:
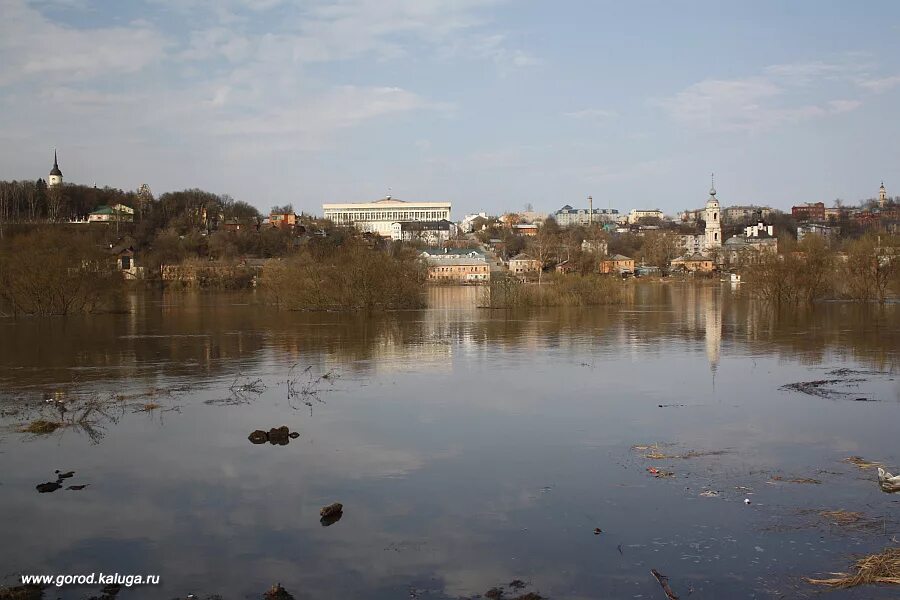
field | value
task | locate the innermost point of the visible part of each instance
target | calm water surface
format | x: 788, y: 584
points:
x: 469, y: 448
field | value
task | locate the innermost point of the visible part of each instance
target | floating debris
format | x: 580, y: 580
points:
x: 887, y: 482
x: 276, y: 592
x: 659, y: 473
x: 41, y: 427
x: 862, y: 463
x: 597, y: 531
x: 331, y: 514
x: 808, y: 480
x: 77, y: 488
x: 258, y: 437
x: 664, y: 582
x: 50, y: 486
x: 709, y: 494
x: 654, y: 452
x: 277, y: 436
x: 65, y: 475
x: 746, y: 500
x: 881, y: 568
x: 821, y: 387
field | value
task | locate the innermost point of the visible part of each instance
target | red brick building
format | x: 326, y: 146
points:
x: 811, y: 211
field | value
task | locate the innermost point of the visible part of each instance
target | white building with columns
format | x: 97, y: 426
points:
x: 380, y: 215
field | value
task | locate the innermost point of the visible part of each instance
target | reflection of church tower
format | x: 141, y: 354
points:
x: 882, y: 196
x: 713, y: 231
x: 55, y: 177
x: 713, y: 308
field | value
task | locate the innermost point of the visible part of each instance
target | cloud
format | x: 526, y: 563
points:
x: 341, y: 108
x: 879, y: 85
x: 592, y: 114
x: 32, y: 47
x: 777, y: 97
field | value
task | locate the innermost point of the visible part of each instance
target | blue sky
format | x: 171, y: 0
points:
x: 490, y: 104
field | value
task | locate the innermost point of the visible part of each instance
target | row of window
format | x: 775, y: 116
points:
x: 457, y: 269
x: 383, y: 215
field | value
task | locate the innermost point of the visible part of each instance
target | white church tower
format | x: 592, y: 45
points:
x: 55, y: 178
x: 882, y: 196
x: 713, y: 231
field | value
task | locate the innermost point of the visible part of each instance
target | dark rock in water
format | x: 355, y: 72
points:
x: 331, y: 519
x: 50, y: 486
x: 278, y: 433
x: 331, y: 509
x: 65, y: 475
x: 276, y: 592
x: 494, y: 593
x: 77, y: 488
x: 293, y: 435
x: 258, y: 437
x: 517, y: 584
x: 111, y: 590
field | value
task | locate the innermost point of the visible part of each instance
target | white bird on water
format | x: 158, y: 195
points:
x: 889, y: 483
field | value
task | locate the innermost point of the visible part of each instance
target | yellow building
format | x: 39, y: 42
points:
x: 617, y: 264
x: 459, y: 270
x: 694, y: 263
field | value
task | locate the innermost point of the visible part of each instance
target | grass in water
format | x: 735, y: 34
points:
x: 41, y: 427
x: 881, y: 568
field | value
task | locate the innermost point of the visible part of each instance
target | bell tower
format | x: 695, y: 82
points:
x: 56, y: 177
x: 713, y: 231
x: 882, y: 196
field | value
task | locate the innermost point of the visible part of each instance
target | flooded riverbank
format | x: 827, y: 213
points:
x: 703, y: 436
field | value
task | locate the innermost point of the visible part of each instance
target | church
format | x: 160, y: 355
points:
x: 708, y: 242
x: 55, y: 178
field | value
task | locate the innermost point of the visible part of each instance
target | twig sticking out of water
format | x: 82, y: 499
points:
x: 664, y: 582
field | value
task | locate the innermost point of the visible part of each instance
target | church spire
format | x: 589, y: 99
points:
x: 56, y: 176
x: 712, y: 187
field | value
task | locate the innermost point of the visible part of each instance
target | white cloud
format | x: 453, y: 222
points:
x: 878, y: 85
x: 32, y: 47
x: 779, y: 96
x: 592, y: 114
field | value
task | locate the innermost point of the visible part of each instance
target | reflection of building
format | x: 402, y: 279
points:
x: 377, y: 217
x: 713, y: 323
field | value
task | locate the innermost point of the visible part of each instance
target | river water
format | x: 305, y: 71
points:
x: 470, y: 448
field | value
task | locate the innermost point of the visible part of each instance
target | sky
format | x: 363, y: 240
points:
x: 489, y: 104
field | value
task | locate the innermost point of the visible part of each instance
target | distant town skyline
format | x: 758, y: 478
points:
x: 489, y: 104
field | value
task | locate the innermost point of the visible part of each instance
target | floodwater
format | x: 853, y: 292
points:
x: 470, y: 448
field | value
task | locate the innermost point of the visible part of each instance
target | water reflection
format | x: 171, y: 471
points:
x: 469, y: 448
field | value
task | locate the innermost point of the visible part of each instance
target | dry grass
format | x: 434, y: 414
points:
x: 654, y: 452
x: 881, y: 568
x: 41, y: 427
x: 862, y: 463
x: 808, y: 480
x: 844, y: 518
